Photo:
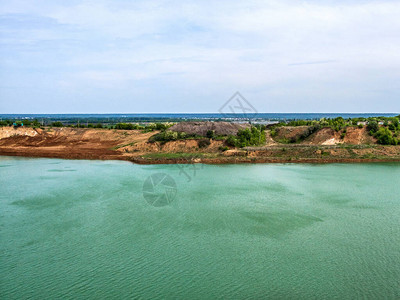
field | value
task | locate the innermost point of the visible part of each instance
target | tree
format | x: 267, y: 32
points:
x: 247, y: 137
x: 231, y: 141
x: 57, y: 124
x: 394, y: 124
x: 210, y: 134
x: 385, y: 137
x: 372, y: 126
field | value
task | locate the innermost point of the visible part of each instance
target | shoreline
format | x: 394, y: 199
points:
x: 134, y: 146
x: 208, y: 161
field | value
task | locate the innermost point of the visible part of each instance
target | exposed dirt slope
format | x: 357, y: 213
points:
x: 328, y: 136
x: 326, y: 145
x: 288, y: 133
x: 67, y: 142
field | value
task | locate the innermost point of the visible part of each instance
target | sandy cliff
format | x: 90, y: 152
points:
x: 325, y: 145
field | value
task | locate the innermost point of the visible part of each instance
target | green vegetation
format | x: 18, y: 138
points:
x: 26, y: 122
x: 385, y: 129
x: 99, y: 125
x: 247, y: 137
x: 253, y: 136
x: 166, y: 136
x: 203, y: 143
x: 57, y: 124
x: 372, y: 126
x: 385, y: 137
x: 386, y: 134
x: 210, y: 134
x: 145, y: 127
x: 336, y: 123
x: 128, y: 126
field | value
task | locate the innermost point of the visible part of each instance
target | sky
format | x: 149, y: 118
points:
x: 125, y: 56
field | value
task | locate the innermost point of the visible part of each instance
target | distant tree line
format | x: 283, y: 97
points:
x: 125, y: 126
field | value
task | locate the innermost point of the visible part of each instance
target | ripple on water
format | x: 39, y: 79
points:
x: 234, y: 232
x: 61, y: 170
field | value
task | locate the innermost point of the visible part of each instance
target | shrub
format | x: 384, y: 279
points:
x: 385, y: 137
x: 57, y: 124
x: 4, y: 123
x: 310, y: 130
x: 231, y: 141
x: 223, y: 148
x: 247, y: 137
x: 394, y: 125
x: 126, y: 126
x: 372, y: 126
x: 203, y: 143
x: 165, y: 136
x: 161, y: 126
x: 210, y: 134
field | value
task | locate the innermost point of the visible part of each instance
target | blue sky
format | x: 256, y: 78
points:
x: 190, y: 56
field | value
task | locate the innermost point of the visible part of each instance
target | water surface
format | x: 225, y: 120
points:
x: 83, y: 230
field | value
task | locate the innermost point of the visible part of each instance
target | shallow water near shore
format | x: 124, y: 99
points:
x: 92, y: 229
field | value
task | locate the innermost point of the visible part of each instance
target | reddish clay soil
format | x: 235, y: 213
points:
x: 78, y: 143
x: 323, y: 146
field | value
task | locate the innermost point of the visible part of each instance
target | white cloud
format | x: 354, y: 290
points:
x: 268, y: 49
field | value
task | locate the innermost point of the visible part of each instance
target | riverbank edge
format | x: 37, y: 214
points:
x: 210, y: 161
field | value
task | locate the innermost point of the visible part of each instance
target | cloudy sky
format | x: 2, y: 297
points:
x: 125, y: 56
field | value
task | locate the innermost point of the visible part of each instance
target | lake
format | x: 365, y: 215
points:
x: 114, y: 230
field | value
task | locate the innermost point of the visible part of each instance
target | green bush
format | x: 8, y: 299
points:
x: 203, y: 143
x: 165, y: 136
x: 247, y: 137
x: 385, y: 137
x: 57, y: 124
x: 231, y: 141
x: 210, y: 134
x: 394, y: 124
x: 126, y: 126
x: 372, y: 127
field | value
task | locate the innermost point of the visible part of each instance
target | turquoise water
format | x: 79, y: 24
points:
x: 83, y: 230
